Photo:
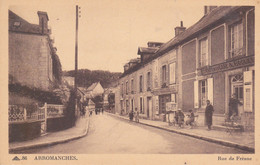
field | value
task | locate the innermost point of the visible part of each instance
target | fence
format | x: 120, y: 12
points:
x: 23, y: 113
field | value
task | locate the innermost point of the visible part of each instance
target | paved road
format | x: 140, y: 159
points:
x: 108, y: 135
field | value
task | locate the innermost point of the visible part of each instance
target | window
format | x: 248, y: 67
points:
x: 203, y: 52
x: 141, y: 83
x: 132, y: 86
x: 203, y: 92
x: 236, y: 38
x: 122, y: 89
x: 149, y: 81
x: 172, y: 72
x: 126, y: 87
x: 164, y: 76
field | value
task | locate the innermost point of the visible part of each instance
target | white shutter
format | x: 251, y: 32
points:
x: 248, y: 93
x: 173, y: 98
x: 196, y: 94
x: 210, y: 90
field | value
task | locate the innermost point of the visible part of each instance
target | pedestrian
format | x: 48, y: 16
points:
x: 233, y: 106
x: 191, y: 118
x: 136, y: 115
x: 131, y: 115
x: 180, y: 117
x: 208, y: 114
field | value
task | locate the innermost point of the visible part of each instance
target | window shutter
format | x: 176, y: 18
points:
x: 196, y: 94
x: 167, y: 75
x: 173, y: 98
x: 210, y: 90
x: 248, y: 93
x: 161, y: 76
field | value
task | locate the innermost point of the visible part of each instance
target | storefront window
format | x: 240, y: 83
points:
x: 163, y: 99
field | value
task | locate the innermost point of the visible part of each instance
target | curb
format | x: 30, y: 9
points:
x: 44, y: 144
x: 213, y: 140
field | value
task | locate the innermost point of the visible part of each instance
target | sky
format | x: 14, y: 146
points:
x: 110, y: 31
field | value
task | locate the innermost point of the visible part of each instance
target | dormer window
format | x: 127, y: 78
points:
x: 17, y: 23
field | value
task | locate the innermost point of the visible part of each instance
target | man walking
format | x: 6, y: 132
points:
x: 208, y: 114
x: 233, y: 106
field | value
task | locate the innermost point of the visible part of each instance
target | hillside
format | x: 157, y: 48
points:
x: 87, y: 77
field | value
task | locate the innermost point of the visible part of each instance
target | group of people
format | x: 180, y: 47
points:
x: 179, y: 115
x: 134, y: 115
x: 233, y: 110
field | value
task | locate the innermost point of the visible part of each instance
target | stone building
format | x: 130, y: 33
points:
x: 211, y: 60
x: 33, y: 61
x: 31, y: 52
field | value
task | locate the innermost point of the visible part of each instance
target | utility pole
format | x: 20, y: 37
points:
x: 76, y: 61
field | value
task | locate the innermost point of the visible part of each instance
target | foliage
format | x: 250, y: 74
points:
x: 69, y: 112
x: 34, y: 93
x: 87, y: 77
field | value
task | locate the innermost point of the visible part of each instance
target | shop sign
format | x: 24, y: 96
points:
x: 171, y: 106
x: 238, y: 63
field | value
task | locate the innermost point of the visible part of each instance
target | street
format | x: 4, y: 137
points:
x: 110, y: 135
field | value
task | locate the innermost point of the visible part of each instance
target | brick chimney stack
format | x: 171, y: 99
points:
x: 180, y: 29
x: 43, y: 22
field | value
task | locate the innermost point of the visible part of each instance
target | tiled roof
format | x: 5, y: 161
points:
x: 216, y: 15
x: 18, y: 24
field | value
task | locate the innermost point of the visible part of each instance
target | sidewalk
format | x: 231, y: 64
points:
x: 79, y: 130
x: 241, y: 140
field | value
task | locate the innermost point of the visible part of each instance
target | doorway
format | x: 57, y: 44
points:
x: 149, y: 106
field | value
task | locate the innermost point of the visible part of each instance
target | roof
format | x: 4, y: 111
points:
x: 92, y: 86
x: 18, y: 24
x: 213, y: 18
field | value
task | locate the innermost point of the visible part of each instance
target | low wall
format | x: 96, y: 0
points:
x: 24, y: 131
x: 56, y: 124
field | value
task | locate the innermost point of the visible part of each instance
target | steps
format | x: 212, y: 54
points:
x: 228, y: 126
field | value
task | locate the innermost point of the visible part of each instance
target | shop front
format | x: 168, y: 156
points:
x: 232, y: 79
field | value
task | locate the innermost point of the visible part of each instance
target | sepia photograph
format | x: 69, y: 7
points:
x: 91, y: 81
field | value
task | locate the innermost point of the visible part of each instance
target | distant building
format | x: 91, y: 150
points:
x: 95, y: 90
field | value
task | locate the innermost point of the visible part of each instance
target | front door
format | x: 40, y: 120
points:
x: 238, y: 89
x: 149, y: 106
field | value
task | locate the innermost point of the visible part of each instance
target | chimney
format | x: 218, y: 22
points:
x: 208, y: 9
x: 180, y: 29
x: 126, y: 67
x: 43, y: 22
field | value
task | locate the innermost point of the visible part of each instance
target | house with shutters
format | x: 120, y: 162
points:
x: 211, y: 60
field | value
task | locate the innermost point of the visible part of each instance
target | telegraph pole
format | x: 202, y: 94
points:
x: 76, y: 61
